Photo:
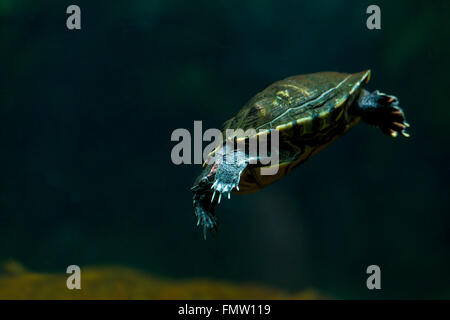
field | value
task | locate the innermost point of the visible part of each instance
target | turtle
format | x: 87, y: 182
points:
x: 309, y: 112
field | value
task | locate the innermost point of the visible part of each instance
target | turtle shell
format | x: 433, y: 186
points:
x: 298, y: 98
x: 309, y: 111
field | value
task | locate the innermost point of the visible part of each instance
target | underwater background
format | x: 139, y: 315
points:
x: 86, y: 176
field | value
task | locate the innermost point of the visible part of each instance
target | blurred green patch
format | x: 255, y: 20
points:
x: 6, y: 7
x: 115, y: 282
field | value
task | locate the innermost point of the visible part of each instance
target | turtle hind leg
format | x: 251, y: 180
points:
x: 204, y: 207
x: 204, y: 211
x: 383, y: 111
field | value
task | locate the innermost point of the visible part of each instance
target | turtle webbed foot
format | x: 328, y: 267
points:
x: 383, y: 110
x: 203, y: 206
x: 205, y: 220
x: 228, y: 174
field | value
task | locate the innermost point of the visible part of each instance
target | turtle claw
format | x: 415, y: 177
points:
x: 395, y: 121
x: 383, y: 110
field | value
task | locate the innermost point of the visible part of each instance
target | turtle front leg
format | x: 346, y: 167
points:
x: 220, y: 177
x: 228, y: 173
x: 382, y: 110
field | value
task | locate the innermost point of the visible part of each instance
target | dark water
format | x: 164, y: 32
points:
x: 86, y: 119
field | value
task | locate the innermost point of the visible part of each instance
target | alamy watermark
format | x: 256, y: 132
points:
x: 74, y: 280
x: 374, y: 280
x: 73, y: 21
x: 374, y: 20
x: 260, y: 147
